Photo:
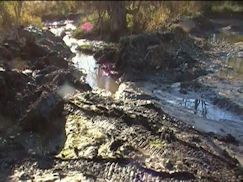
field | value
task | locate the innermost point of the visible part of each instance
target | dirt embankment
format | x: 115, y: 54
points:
x: 35, y: 75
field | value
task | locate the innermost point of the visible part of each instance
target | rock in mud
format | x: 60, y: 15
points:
x: 44, y: 41
x: 41, y: 47
x: 14, y: 86
x: 42, y: 112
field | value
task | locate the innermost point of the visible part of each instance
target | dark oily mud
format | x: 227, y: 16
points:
x: 129, y: 140
x: 206, y: 95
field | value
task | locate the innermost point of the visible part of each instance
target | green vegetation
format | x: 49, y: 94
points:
x: 15, y: 13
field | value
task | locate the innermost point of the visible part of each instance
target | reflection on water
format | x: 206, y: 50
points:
x: 97, y: 76
x: 105, y: 82
x: 209, y: 111
x: 201, y: 108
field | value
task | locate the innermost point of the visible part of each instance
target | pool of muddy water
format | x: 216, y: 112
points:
x: 194, y: 103
x: 204, y: 109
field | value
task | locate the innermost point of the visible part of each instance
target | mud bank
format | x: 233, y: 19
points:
x: 35, y: 78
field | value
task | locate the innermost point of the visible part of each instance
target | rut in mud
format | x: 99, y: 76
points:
x: 130, y: 141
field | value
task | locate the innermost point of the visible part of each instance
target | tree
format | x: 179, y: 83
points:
x: 117, y: 13
x: 17, y: 6
x: 18, y: 11
x: 4, y: 15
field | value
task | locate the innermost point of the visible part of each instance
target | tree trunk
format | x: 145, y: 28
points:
x: 117, y: 13
x: 18, y: 14
x: 100, y: 22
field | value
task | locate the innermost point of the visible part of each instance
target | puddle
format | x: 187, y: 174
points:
x: 229, y: 37
x: 204, y: 109
x: 195, y: 110
x: 192, y: 103
x: 97, y: 76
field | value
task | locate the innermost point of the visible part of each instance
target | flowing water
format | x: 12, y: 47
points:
x: 97, y: 77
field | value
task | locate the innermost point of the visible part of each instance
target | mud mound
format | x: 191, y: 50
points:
x: 36, y: 78
x: 38, y: 48
x: 174, y: 51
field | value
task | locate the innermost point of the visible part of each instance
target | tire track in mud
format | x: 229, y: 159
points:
x: 138, y: 135
x: 137, y: 138
x: 120, y: 170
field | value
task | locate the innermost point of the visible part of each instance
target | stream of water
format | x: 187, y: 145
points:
x: 96, y: 77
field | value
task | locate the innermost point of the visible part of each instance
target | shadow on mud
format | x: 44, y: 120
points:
x: 20, y: 145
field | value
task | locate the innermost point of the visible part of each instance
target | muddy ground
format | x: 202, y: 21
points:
x: 129, y: 140
x: 55, y: 127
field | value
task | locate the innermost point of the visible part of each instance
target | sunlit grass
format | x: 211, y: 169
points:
x: 227, y: 6
x: 153, y: 18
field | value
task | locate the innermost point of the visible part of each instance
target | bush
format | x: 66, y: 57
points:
x: 99, y: 29
x: 156, y: 16
x: 10, y: 18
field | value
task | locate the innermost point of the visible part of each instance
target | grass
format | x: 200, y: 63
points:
x: 227, y: 6
x: 149, y: 17
x: 87, y: 48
